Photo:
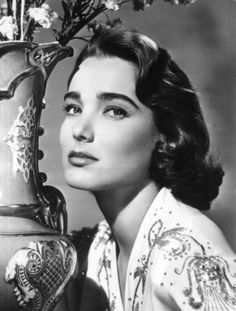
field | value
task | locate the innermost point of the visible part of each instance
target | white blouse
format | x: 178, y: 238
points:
x: 179, y: 261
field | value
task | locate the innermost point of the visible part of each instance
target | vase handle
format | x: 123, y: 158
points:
x: 47, y: 55
x: 54, y: 215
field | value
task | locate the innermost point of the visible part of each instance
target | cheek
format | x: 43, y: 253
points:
x: 134, y: 143
x: 64, y: 136
x: 141, y: 146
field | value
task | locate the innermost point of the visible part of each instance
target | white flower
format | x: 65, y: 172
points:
x: 3, y: 4
x: 112, y: 4
x: 44, y: 15
x: 7, y: 27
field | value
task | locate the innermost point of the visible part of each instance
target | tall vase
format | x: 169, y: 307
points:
x: 36, y: 259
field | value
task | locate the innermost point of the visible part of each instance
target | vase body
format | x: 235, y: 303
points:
x: 36, y: 259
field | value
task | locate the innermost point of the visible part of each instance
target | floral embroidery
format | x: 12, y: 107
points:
x: 104, y: 234
x: 155, y: 239
x: 209, y: 283
x: 209, y: 278
x: 104, y: 272
x: 204, y: 280
x: 105, y: 267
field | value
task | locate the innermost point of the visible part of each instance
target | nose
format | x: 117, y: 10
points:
x: 83, y: 130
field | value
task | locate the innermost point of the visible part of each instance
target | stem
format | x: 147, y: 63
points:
x: 22, y: 20
x: 14, y: 9
x: 90, y: 7
x: 81, y: 38
x: 9, y: 7
x: 29, y: 30
x: 64, y: 39
x: 84, y: 5
x: 144, y: 271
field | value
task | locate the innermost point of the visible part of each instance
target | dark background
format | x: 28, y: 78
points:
x: 202, y: 40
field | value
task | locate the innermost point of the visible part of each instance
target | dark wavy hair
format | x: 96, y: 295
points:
x: 181, y: 160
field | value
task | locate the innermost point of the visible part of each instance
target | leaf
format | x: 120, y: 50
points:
x: 2, y: 38
x: 136, y: 307
x: 138, y: 5
x: 138, y: 272
x: 108, y: 264
x: 76, y: 9
x: 143, y: 282
x: 56, y: 34
x: 66, y: 8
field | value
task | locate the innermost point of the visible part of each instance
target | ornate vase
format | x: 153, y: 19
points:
x: 36, y: 259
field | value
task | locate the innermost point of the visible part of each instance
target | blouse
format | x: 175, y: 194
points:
x: 179, y: 261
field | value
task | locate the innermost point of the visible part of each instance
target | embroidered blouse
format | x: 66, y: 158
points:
x: 179, y: 261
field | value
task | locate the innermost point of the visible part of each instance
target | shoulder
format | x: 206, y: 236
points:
x: 204, y: 231
x: 193, y: 262
x: 196, y: 223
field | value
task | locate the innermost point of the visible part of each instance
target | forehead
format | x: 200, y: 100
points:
x: 105, y: 72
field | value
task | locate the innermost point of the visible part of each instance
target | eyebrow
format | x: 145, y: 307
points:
x: 113, y: 96
x: 103, y: 96
x: 73, y: 95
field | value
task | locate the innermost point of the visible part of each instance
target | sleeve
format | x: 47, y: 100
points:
x: 197, y: 273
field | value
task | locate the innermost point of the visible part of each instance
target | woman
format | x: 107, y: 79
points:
x: 135, y: 137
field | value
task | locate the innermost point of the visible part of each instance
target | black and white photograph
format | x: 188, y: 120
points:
x: 117, y: 155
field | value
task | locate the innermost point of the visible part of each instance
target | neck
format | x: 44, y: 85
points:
x: 124, y: 210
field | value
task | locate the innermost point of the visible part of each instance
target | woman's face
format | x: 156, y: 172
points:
x: 108, y: 135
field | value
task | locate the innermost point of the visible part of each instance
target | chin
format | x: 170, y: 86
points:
x: 77, y: 183
x: 94, y: 181
x: 87, y: 184
x: 80, y: 182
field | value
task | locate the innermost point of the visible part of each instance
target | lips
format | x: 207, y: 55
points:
x: 81, y: 158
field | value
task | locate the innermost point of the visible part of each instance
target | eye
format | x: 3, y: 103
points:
x: 72, y: 109
x: 115, y: 112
